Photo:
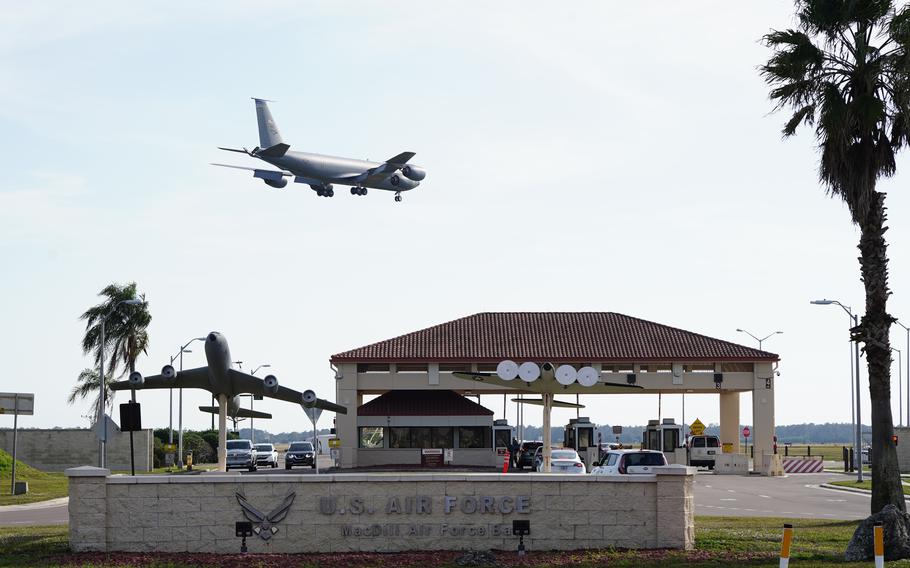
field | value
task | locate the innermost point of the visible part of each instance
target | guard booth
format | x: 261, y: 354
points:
x: 502, y: 438
x: 665, y: 437
x: 579, y: 435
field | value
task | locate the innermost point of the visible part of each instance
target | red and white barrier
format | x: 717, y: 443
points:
x: 803, y: 465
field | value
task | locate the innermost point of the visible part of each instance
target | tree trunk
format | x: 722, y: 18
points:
x: 874, y: 331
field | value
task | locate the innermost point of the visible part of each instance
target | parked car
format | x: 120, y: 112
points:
x: 300, y: 453
x: 702, y: 450
x: 266, y: 454
x: 630, y: 462
x: 241, y: 454
x: 526, y: 453
x: 562, y: 460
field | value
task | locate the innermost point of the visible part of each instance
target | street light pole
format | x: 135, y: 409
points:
x: 900, y: 395
x: 907, y: 329
x: 252, y: 397
x: 102, y: 397
x: 858, y: 436
x: 756, y: 338
x: 183, y: 349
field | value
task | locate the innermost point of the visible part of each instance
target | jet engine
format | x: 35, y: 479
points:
x: 270, y: 384
x: 168, y: 372
x: 279, y: 183
x: 309, y: 397
x: 136, y: 379
x: 414, y: 173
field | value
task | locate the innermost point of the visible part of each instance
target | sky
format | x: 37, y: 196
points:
x: 601, y: 156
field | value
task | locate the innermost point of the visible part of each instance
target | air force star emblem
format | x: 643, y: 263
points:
x: 264, y: 524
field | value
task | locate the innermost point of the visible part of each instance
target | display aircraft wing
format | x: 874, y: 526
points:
x: 539, y: 402
x: 547, y: 385
x: 257, y: 172
x: 377, y: 174
x: 241, y: 412
x: 188, y: 379
x: 244, y: 383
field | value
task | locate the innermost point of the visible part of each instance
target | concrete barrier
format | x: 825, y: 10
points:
x: 379, y: 512
x: 809, y: 464
x: 731, y: 464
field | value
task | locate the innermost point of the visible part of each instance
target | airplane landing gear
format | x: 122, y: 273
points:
x: 358, y: 190
x: 397, y: 196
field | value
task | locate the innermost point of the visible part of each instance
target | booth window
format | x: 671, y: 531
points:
x: 503, y: 438
x: 411, y: 367
x: 421, y: 438
x: 584, y: 438
x: 454, y: 367
x: 399, y: 437
x: 372, y: 367
x: 444, y: 437
x: 671, y: 439
x: 371, y: 436
x: 474, y: 437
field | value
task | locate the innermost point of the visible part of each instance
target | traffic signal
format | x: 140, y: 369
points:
x: 894, y: 439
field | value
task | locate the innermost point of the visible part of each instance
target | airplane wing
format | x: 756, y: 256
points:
x: 548, y: 385
x: 244, y: 383
x: 188, y: 379
x: 375, y: 175
x: 257, y: 172
x: 539, y: 402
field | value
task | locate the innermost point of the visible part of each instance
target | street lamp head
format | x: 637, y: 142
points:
x: 822, y: 302
x: 266, y: 365
x: 778, y: 332
x: 187, y: 350
x: 739, y: 330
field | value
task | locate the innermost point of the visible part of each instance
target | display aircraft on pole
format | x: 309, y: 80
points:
x: 225, y: 383
x: 321, y: 172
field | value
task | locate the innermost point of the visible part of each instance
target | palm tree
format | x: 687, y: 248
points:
x: 87, y: 384
x: 845, y: 70
x: 126, y: 335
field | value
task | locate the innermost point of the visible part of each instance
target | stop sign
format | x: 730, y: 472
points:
x: 746, y: 432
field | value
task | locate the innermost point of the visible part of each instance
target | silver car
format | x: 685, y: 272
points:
x: 241, y: 454
x: 562, y: 460
x: 630, y: 462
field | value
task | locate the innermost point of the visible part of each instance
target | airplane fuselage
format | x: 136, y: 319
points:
x: 218, y: 357
x: 317, y: 169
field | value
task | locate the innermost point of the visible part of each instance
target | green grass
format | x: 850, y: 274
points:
x: 42, y: 485
x: 830, y: 452
x: 720, y: 541
x: 867, y: 485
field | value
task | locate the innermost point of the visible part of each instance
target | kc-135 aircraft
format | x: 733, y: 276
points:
x: 321, y: 172
x: 225, y: 383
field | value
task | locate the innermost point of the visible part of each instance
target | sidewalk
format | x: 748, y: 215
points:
x: 37, y: 505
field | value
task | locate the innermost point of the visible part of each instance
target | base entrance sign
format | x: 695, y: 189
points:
x: 16, y: 403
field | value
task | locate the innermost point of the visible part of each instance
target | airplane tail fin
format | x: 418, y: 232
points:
x: 241, y: 413
x: 268, y: 130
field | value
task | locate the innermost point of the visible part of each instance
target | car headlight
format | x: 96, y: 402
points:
x: 291, y: 456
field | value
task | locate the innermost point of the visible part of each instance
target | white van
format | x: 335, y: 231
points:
x: 702, y: 450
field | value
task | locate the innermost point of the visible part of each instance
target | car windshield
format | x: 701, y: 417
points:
x: 263, y: 447
x: 645, y: 459
x: 239, y: 445
x: 301, y: 447
x: 564, y: 455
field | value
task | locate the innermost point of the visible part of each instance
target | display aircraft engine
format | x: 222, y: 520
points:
x: 279, y: 183
x: 136, y: 379
x: 169, y: 373
x: 270, y: 384
x: 414, y: 172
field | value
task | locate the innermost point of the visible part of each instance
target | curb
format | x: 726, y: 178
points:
x: 36, y: 505
x: 852, y: 490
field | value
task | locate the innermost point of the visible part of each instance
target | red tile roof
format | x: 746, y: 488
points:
x: 422, y: 403
x: 552, y: 336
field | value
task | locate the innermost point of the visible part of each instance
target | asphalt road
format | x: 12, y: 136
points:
x: 795, y: 496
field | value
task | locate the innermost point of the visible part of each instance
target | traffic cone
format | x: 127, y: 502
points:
x: 505, y: 462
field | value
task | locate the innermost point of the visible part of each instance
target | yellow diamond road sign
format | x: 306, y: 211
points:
x: 697, y: 428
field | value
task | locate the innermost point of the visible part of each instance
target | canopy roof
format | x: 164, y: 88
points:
x: 552, y: 336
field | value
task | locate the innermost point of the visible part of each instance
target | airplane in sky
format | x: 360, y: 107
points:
x: 321, y: 172
x: 226, y: 384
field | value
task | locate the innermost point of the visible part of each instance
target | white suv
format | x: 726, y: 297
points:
x: 266, y: 455
x: 628, y: 462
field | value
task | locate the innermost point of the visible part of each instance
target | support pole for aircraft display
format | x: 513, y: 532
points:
x: 222, y: 432
x: 547, y: 444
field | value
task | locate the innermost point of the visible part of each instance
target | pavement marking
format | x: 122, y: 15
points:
x: 730, y: 491
x: 836, y: 500
x: 728, y: 499
x: 764, y: 496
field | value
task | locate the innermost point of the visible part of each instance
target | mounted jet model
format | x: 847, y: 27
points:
x: 321, y: 172
x: 225, y: 383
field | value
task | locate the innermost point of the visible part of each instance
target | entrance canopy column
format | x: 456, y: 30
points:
x: 729, y: 419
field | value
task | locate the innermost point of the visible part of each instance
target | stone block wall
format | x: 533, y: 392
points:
x: 60, y: 448
x: 380, y: 512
